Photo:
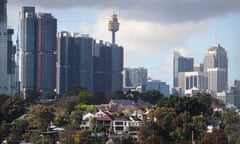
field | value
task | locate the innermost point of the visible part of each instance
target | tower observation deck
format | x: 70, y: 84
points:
x: 113, y: 26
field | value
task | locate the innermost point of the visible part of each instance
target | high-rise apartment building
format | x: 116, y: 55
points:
x: 4, y: 83
x: 216, y: 64
x: 117, y: 68
x: 38, y: 43
x: 74, y: 62
x: 181, y: 64
x: 108, y: 66
x: 102, y: 67
x: 46, y: 53
x: 133, y: 77
x: 7, y: 51
x: 28, y: 46
x: 81, y: 62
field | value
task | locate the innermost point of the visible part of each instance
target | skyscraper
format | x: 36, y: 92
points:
x: 117, y: 68
x: 38, y: 43
x: 74, y: 62
x: 28, y: 45
x: 7, y: 51
x: 102, y: 67
x: 108, y: 66
x: 117, y: 56
x: 46, y: 53
x: 216, y: 64
x: 181, y: 64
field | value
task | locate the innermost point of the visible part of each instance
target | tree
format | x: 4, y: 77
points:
x: 86, y: 108
x: 100, y: 98
x: 86, y: 97
x: 216, y: 137
x: 12, y: 108
x: 3, y: 98
x: 51, y: 95
x: 66, y: 105
x: 154, y: 140
x: 38, y: 138
x: 40, y: 116
x: 16, y: 131
x: 159, y: 124
x: 3, y: 130
x: 75, y: 118
x: 152, y: 96
x: 31, y: 96
x: 195, y: 105
x: 74, y: 91
x: 133, y: 95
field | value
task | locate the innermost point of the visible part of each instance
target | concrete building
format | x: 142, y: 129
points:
x: 216, y: 80
x: 216, y: 64
x: 102, y: 67
x: 229, y: 98
x: 8, y: 82
x: 81, y: 62
x: 189, y: 80
x: 38, y: 43
x: 74, y: 62
x: 133, y: 77
x: 235, y: 88
x: 181, y: 64
x: 198, y: 68
x: 108, y: 66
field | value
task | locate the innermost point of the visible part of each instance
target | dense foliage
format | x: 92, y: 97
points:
x: 172, y: 120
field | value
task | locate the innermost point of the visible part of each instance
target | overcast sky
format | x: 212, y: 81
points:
x: 150, y: 30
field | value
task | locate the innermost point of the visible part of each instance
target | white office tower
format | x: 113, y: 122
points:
x: 217, y: 79
x: 197, y: 81
x: 216, y: 64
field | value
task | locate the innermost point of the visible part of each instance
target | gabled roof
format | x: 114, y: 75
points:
x: 104, y: 118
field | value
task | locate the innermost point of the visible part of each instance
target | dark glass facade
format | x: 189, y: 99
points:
x: 38, y: 43
x: 181, y: 64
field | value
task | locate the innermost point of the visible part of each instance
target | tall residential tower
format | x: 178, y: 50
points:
x: 74, y: 62
x: 38, y: 43
x: 7, y: 51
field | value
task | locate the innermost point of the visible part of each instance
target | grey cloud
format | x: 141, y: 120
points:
x: 166, y: 11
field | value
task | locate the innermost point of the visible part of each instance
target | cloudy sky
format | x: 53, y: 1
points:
x: 150, y: 30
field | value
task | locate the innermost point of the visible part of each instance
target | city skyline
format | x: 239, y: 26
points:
x: 150, y: 36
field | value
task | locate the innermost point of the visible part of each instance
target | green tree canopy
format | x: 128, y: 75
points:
x: 195, y: 105
x: 39, y: 117
x: 152, y: 96
x: 86, y: 97
x: 12, y: 108
x: 31, y: 96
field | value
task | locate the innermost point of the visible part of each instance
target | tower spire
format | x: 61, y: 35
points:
x: 113, y: 24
